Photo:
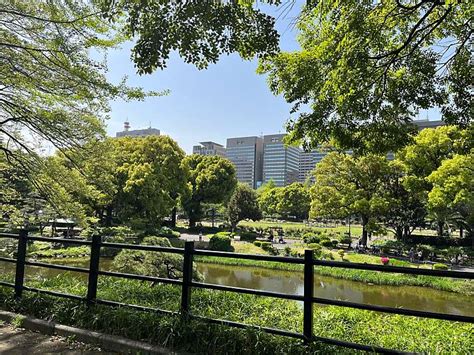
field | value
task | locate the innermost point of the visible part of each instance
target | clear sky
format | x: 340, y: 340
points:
x: 226, y: 100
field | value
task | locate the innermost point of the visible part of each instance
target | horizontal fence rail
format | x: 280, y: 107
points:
x: 187, y: 284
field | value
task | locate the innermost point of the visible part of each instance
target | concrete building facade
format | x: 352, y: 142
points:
x: 246, y: 153
x: 280, y: 162
x: 210, y: 148
x: 137, y: 132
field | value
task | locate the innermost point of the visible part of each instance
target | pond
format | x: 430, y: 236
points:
x: 291, y: 282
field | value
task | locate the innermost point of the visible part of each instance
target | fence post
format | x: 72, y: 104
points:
x: 94, y: 268
x: 308, y: 296
x: 187, y: 277
x: 20, y: 262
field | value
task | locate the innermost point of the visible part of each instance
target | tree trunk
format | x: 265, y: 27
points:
x: 365, y: 220
x: 399, y: 232
x: 440, y: 228
x: 173, y: 217
x: 461, y: 232
x: 192, y: 221
x: 108, y: 216
x: 406, y: 232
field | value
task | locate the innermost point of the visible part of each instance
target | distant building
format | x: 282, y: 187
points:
x: 209, y: 148
x: 246, y: 153
x: 137, y: 132
x: 422, y: 124
x: 280, y: 162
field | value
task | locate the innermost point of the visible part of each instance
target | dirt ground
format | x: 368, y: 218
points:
x: 21, y: 341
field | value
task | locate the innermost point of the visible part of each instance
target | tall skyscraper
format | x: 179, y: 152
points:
x: 280, y: 162
x: 209, y: 148
x: 246, y: 153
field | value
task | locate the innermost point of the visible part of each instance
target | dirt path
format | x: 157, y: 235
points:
x: 21, y: 341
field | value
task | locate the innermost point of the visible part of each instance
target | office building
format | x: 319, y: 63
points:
x: 136, y: 132
x: 209, y: 148
x: 280, y: 162
x: 246, y: 153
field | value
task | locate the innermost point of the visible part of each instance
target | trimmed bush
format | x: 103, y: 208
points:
x: 258, y: 243
x: 440, y: 266
x: 326, y: 243
x: 248, y: 236
x: 168, y: 233
x: 311, y: 238
x: 266, y: 246
x: 220, y: 243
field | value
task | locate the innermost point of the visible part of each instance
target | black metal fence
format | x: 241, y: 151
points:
x: 187, y: 284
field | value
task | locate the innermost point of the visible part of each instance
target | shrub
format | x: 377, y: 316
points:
x: 311, y: 238
x: 266, y: 246
x: 287, y: 251
x: 334, y: 242
x: 153, y: 263
x: 345, y: 239
x: 440, y: 266
x: 326, y: 243
x: 220, y: 242
x: 224, y: 234
x: 341, y: 253
x: 257, y: 243
x: 327, y: 255
x: 248, y: 236
x: 168, y: 233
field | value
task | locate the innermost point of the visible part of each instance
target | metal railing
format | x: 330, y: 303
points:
x: 187, y: 284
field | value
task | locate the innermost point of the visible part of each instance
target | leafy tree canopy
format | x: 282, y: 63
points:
x: 50, y: 87
x: 366, y: 68
x: 453, y: 190
x: 294, y: 201
x: 212, y: 179
x: 200, y: 31
x: 243, y: 205
x: 347, y: 185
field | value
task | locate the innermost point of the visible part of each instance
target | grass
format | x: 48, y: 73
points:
x: 356, y: 230
x: 247, y: 248
x: 391, y: 331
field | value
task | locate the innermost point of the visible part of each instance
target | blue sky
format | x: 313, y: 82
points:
x: 227, y: 100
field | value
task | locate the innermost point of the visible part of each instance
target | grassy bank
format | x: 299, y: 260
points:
x: 391, y: 331
x: 445, y: 284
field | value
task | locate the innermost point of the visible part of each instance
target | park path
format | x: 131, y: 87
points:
x: 21, y: 341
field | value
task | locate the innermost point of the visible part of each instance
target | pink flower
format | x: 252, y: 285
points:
x: 384, y: 260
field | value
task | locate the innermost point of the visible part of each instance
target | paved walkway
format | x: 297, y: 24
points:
x: 21, y: 341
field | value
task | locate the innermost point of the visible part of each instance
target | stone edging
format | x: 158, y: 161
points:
x: 109, y: 342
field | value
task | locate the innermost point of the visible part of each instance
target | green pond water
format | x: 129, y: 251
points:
x: 291, y: 282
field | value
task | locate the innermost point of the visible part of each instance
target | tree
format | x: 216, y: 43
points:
x: 153, y: 263
x: 347, y: 185
x: 51, y: 89
x: 406, y: 210
x: 366, y: 68
x: 453, y: 190
x: 268, y: 199
x: 294, y: 200
x: 211, y: 180
x: 132, y: 180
x: 199, y: 31
x: 430, y: 148
x: 243, y: 205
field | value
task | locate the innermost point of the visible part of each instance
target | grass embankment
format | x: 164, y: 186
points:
x: 391, y: 331
x: 374, y: 277
x: 356, y: 230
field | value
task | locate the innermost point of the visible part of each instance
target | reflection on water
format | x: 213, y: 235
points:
x: 291, y: 282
